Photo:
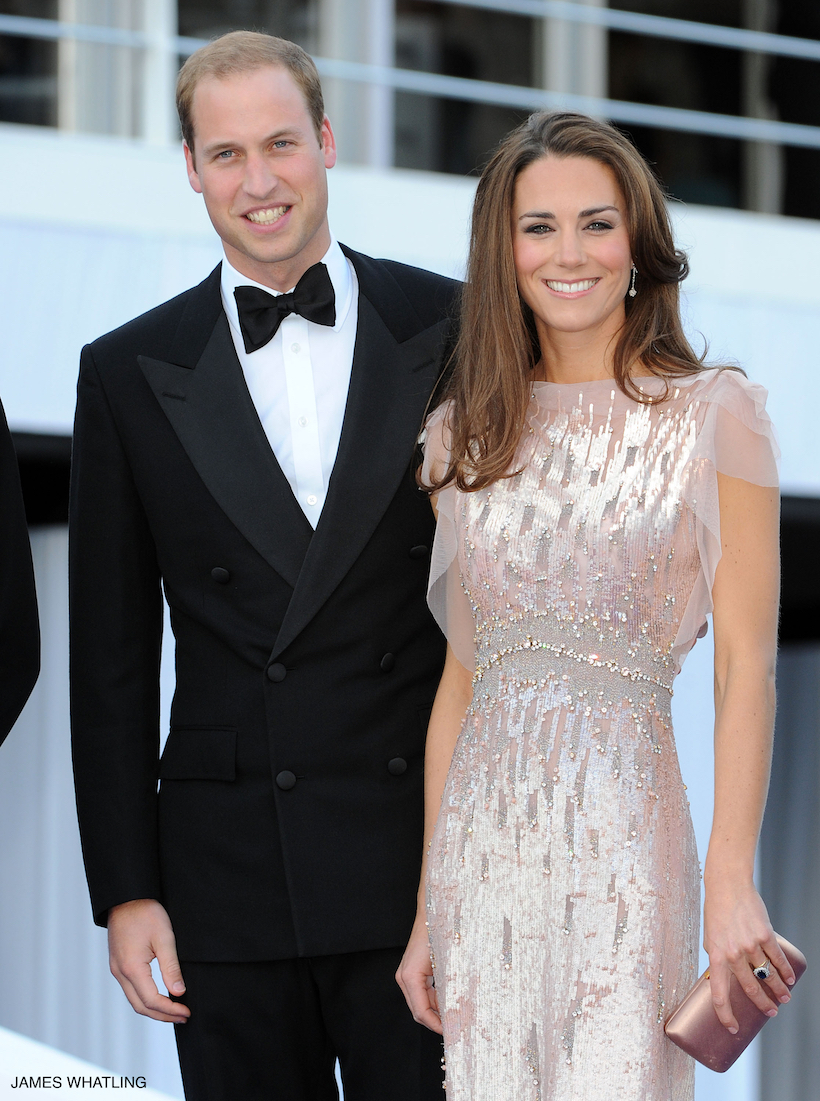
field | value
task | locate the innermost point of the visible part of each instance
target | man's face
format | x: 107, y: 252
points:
x: 262, y: 171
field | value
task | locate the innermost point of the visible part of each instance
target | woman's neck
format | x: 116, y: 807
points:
x: 584, y: 356
x: 562, y: 362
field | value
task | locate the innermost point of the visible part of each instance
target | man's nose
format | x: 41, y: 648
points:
x: 260, y: 179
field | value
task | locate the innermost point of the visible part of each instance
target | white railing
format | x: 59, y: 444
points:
x: 507, y: 95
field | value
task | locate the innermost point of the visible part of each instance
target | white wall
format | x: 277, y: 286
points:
x: 754, y: 293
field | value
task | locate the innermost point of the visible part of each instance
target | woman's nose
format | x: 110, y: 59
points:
x: 570, y: 251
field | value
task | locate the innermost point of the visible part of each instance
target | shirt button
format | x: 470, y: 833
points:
x: 303, y: 422
x: 312, y: 499
x: 296, y: 347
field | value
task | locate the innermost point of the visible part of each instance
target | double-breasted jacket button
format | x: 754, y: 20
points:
x: 387, y: 662
x: 421, y: 551
x: 397, y: 767
x: 285, y: 780
x: 277, y: 672
x: 221, y: 575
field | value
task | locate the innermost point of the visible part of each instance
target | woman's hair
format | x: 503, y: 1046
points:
x: 244, y: 52
x: 498, y: 344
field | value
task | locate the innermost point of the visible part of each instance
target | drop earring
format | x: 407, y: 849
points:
x: 632, y: 278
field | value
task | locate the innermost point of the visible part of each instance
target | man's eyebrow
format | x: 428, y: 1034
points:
x: 215, y: 146
x: 547, y: 214
x: 277, y: 135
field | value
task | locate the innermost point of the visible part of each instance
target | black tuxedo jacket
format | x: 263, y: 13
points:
x: 19, y: 625
x: 289, y: 814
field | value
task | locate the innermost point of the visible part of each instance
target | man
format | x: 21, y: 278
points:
x: 266, y: 480
x: 19, y: 625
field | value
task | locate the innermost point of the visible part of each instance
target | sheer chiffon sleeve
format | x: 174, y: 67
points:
x: 736, y: 439
x: 446, y: 596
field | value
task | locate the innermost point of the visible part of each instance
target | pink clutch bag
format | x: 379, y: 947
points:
x: 694, y: 1025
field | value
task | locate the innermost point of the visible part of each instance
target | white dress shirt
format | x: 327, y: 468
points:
x: 299, y: 381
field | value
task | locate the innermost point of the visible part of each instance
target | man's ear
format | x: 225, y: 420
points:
x: 193, y: 176
x: 328, y: 143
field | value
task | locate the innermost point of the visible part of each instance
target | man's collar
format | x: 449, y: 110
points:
x: 338, y: 269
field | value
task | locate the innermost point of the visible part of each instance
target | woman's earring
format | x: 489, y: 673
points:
x: 633, y: 277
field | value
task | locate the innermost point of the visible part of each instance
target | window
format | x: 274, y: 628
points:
x: 28, y: 69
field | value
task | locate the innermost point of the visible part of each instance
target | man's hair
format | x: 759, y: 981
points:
x: 243, y: 52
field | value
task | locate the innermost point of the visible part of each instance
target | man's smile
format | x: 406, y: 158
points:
x: 267, y: 216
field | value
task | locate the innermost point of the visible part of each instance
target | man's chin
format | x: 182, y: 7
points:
x: 272, y: 253
x: 260, y: 252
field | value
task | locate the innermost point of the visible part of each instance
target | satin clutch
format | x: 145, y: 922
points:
x: 694, y: 1025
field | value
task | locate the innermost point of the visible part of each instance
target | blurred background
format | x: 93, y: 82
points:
x: 97, y: 224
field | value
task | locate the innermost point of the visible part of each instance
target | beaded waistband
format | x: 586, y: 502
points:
x: 527, y: 644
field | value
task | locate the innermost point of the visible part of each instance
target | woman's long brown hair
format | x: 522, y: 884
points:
x: 498, y: 348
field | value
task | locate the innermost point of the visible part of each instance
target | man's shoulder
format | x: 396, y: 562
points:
x: 410, y: 275
x: 431, y: 295
x: 152, y: 332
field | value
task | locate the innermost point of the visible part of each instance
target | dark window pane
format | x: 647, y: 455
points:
x: 34, y: 9
x: 662, y: 72
x: 725, y: 13
x: 694, y: 168
x: 28, y: 81
x: 447, y: 135
x: 795, y: 88
x: 292, y: 19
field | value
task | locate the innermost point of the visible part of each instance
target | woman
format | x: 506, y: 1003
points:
x: 598, y: 492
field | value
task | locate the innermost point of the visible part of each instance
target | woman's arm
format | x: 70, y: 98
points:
x: 737, y: 932
x: 415, y: 972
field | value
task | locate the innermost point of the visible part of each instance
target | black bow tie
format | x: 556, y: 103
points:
x: 261, y: 314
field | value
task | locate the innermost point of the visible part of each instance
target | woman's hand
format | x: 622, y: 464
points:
x: 738, y: 936
x: 415, y: 977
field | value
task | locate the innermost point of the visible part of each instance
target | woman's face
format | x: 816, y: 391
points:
x: 571, y: 246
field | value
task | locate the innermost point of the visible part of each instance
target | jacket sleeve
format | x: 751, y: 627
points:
x: 116, y: 633
x: 19, y: 627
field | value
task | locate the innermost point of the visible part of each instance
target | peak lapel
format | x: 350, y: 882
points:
x: 212, y: 413
x: 389, y: 388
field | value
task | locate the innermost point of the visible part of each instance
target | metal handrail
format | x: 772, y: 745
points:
x: 656, y: 26
x: 24, y: 26
x: 531, y: 99
x: 508, y: 95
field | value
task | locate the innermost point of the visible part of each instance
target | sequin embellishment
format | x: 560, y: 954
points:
x: 563, y: 881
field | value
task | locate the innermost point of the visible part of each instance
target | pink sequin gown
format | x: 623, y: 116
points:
x: 563, y: 884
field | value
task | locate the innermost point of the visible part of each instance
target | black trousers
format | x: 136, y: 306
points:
x: 272, y: 1031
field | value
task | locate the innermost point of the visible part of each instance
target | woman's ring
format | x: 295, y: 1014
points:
x: 763, y: 970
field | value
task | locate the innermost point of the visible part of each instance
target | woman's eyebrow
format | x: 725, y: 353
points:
x: 547, y: 214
